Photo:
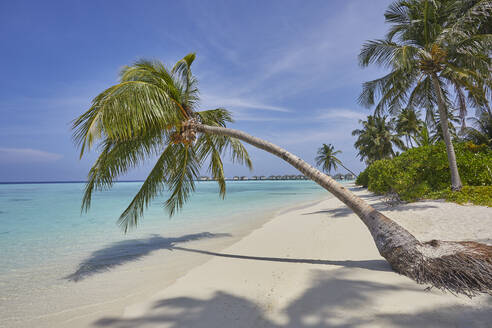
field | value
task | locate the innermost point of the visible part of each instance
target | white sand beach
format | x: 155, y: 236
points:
x: 314, y: 266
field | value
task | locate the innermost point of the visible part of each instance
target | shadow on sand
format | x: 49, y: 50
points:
x: 122, y: 252
x: 333, y: 300
x: 379, y: 205
x: 119, y: 253
x: 376, y: 265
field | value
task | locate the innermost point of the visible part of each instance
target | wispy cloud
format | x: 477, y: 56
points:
x: 340, y: 113
x: 26, y: 155
x: 213, y: 101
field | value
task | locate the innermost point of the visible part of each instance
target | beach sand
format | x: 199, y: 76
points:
x: 318, y: 267
x: 311, y: 266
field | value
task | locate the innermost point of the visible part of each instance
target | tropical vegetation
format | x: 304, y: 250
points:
x: 432, y: 50
x: 480, y: 132
x: 376, y: 139
x: 422, y: 172
x: 407, y: 124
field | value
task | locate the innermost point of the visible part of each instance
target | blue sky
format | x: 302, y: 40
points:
x: 287, y: 70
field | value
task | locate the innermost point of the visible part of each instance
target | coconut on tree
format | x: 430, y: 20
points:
x: 327, y: 159
x: 153, y: 111
x: 432, y: 48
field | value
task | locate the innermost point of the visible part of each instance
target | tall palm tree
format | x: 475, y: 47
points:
x: 432, y: 47
x: 154, y: 111
x: 408, y: 124
x: 327, y: 159
x: 376, y: 139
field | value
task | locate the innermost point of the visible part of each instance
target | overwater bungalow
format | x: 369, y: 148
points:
x: 339, y: 176
x: 349, y: 176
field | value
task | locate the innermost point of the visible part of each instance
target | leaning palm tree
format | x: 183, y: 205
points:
x: 432, y: 48
x: 375, y: 140
x: 154, y: 111
x: 328, y: 160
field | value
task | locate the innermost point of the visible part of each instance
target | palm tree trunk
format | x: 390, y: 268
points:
x: 347, y: 168
x: 456, y: 184
x: 457, y: 270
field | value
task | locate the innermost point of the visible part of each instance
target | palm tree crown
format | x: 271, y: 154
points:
x: 327, y: 159
x: 376, y: 139
x: 408, y: 124
x: 148, y: 114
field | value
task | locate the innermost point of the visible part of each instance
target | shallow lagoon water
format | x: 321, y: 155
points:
x: 41, y: 224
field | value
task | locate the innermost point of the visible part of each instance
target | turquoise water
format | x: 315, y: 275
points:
x: 41, y: 224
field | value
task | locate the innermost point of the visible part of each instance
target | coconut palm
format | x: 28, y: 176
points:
x: 431, y: 49
x: 422, y: 137
x: 436, y: 131
x: 481, y: 132
x: 153, y: 111
x: 408, y: 124
x: 327, y: 159
x: 376, y: 139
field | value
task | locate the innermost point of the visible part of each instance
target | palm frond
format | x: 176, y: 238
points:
x: 183, y: 171
x: 469, y: 23
x: 117, y: 158
x: 151, y: 187
x: 215, y: 117
x: 128, y: 110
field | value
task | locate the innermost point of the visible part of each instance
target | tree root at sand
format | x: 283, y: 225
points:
x: 458, y: 267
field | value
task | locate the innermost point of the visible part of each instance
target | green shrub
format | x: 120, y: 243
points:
x: 420, y: 171
x: 478, y: 195
x: 362, y: 179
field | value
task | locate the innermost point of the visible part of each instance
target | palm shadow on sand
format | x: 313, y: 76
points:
x: 120, y: 253
x: 323, y: 304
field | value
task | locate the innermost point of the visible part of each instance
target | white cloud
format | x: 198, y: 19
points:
x: 340, y: 114
x: 27, y: 155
